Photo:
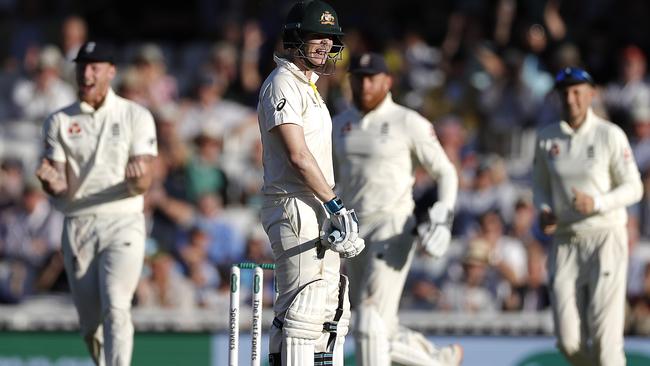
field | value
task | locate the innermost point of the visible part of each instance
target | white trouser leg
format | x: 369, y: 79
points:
x: 293, y: 226
x: 120, y: 266
x: 79, y: 243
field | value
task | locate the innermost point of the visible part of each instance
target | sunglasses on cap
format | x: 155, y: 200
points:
x: 572, y: 76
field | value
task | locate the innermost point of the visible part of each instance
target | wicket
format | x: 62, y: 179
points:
x: 257, y: 304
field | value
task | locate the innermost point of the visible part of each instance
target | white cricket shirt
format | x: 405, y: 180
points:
x: 376, y: 155
x: 595, y: 159
x: 96, y: 146
x: 287, y: 96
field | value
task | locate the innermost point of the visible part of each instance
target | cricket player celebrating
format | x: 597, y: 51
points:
x: 584, y: 176
x: 312, y: 309
x: 377, y: 145
x: 97, y: 166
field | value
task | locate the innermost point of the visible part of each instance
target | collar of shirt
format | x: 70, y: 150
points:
x: 282, y: 62
x: 585, y: 126
x: 88, y: 109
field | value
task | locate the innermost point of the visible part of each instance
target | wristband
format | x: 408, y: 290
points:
x: 334, y: 205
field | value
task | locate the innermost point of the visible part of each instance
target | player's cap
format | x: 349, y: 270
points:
x: 572, y: 76
x: 369, y: 63
x: 95, y: 52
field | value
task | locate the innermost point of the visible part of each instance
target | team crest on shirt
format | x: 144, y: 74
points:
x: 115, y: 129
x: 384, y: 129
x: 74, y: 130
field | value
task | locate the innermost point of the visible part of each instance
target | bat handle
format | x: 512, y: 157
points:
x: 334, y: 236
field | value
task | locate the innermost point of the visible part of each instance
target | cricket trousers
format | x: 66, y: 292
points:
x: 103, y: 257
x: 378, y: 274
x: 588, y: 281
x: 293, y: 227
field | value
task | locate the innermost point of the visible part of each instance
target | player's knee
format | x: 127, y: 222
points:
x: 117, y: 318
x: 305, y: 316
x: 369, y: 321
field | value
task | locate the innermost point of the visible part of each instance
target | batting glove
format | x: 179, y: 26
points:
x: 344, y: 220
x: 435, y: 235
x: 342, y: 229
x: 345, y: 248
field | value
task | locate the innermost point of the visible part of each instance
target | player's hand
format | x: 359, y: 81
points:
x: 582, y: 202
x: 345, y: 248
x: 344, y: 220
x: 548, y: 222
x: 137, y: 174
x: 135, y: 168
x: 435, y: 234
x: 51, y: 178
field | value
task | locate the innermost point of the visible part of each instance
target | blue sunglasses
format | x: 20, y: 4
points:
x: 573, y: 75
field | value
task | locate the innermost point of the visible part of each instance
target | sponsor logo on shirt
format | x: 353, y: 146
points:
x: 590, y: 152
x: 281, y: 104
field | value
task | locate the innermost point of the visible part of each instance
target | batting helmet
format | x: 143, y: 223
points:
x: 312, y: 16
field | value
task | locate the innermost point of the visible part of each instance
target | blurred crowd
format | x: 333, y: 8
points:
x: 487, y: 86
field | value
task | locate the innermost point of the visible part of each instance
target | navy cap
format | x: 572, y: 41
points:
x: 572, y: 76
x: 368, y: 63
x: 95, y: 52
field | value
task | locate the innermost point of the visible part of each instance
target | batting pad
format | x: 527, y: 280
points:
x: 303, y: 324
x: 408, y: 347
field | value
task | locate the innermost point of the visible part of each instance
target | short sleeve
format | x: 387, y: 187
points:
x: 143, y: 141
x: 52, y: 141
x: 281, y: 103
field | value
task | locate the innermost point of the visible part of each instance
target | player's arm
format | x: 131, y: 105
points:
x: 542, y: 191
x: 144, y: 147
x: 52, y: 176
x: 302, y: 160
x: 138, y: 174
x: 434, y: 160
x: 628, y: 188
x: 52, y: 170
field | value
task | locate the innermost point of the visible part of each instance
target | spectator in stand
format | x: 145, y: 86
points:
x: 227, y: 245
x: 204, y: 172
x: 74, y: 33
x: 640, y: 140
x: 506, y: 254
x: 159, y: 86
x: 12, y: 181
x: 631, y: 89
x: 164, y: 286
x: 641, y: 307
x: 471, y: 293
x: 45, y: 92
x: 197, y: 266
x: 29, y: 244
x: 531, y: 295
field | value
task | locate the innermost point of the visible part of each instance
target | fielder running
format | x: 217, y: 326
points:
x: 584, y: 176
x: 377, y: 146
x: 312, y: 309
x: 97, y: 166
